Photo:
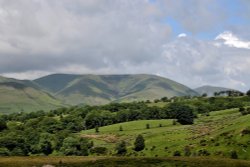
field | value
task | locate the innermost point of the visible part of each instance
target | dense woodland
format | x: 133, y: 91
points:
x: 55, y: 132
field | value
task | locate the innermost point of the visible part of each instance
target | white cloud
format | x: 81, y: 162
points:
x: 182, y: 35
x: 231, y: 40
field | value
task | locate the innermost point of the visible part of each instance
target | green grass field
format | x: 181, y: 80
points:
x: 214, y: 136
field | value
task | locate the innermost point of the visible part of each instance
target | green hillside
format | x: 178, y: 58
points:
x: 23, y: 95
x: 214, y: 136
x: 102, y: 89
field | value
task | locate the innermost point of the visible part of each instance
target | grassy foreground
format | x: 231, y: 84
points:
x: 119, y: 161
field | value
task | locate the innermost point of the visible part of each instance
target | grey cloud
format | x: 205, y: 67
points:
x: 39, y: 37
x: 50, y: 34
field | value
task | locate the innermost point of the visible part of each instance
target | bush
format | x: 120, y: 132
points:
x: 203, y: 142
x: 4, y: 152
x: 203, y: 153
x: 177, y: 153
x: 234, y: 155
x: 17, y: 152
x: 147, y: 126
x: 187, y: 151
x: 245, y: 131
x: 241, y: 109
x: 121, y: 148
x: 96, y: 129
x: 99, y: 150
x: 2, y: 125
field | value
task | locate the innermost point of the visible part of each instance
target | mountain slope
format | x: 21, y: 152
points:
x: 24, y: 95
x: 101, y: 89
x: 210, y: 90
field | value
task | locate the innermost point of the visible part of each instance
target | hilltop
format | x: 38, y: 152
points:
x: 102, y: 89
x: 210, y: 90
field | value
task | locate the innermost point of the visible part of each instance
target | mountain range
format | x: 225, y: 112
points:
x: 59, y: 90
x: 101, y: 89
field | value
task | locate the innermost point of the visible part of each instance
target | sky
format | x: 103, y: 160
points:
x: 194, y: 42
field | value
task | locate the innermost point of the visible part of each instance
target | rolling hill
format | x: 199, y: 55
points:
x: 210, y: 90
x: 102, y: 89
x: 24, y: 95
x: 210, y: 136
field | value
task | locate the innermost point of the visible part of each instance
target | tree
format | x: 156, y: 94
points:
x: 139, y: 143
x: 2, y: 125
x: 164, y: 99
x: 121, y: 148
x: 185, y: 117
x: 45, y: 145
x: 204, y: 95
x: 183, y: 113
x: 248, y: 93
x: 75, y: 146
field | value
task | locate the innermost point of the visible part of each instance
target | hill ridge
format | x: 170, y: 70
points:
x: 104, y: 88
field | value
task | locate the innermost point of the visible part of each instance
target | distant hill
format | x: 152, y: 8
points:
x: 210, y: 90
x: 101, y: 89
x: 24, y: 95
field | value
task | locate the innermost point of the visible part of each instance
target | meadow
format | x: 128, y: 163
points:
x: 216, y: 135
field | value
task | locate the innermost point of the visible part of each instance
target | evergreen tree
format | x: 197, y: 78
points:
x: 139, y: 143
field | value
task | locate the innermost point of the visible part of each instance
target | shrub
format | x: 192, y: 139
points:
x: 187, y: 151
x: 121, y: 148
x: 177, y: 153
x: 234, y: 155
x: 120, y: 128
x: 203, y: 142
x: 99, y: 150
x: 203, y: 153
x: 241, y: 109
x: 4, y: 151
x: 147, y: 126
x: 245, y: 131
x: 153, y: 148
x: 97, y: 129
